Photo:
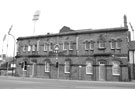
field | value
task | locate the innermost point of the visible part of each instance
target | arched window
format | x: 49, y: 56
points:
x: 89, y: 67
x: 47, y: 66
x: 67, y: 67
x: 115, y: 68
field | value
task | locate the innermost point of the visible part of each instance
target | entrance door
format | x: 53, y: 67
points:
x: 102, y: 72
x: 33, y: 69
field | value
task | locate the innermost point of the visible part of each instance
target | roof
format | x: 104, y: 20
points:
x: 132, y: 45
x: 67, y: 31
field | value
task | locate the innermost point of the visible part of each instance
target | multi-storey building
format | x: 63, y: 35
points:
x: 88, y: 54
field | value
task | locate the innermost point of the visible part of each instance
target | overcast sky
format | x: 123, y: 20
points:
x: 76, y: 14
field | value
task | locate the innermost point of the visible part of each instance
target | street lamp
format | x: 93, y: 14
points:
x: 57, y: 63
x: 13, y: 66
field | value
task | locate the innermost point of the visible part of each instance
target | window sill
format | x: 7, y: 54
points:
x: 47, y: 71
x: 112, y: 48
x: 91, y: 49
x: 89, y: 73
x: 70, y: 49
x: 67, y: 72
x: 118, y: 48
x: 116, y: 74
x: 102, y: 48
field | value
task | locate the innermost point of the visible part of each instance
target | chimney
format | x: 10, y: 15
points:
x: 125, y: 21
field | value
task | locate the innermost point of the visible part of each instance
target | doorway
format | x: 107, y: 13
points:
x: 102, y: 72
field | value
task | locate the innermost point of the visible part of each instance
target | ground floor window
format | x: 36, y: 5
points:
x: 89, y: 67
x: 115, y: 68
x: 67, y: 67
x: 47, y: 66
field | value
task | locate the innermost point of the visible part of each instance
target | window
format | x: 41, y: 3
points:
x: 24, y: 48
x: 89, y: 67
x: 45, y: 46
x: 33, y: 47
x: 101, y: 44
x: 67, y: 67
x: 47, y: 66
x: 112, y: 44
x: 51, y: 47
x: 115, y: 68
x: 86, y: 45
x: 71, y: 45
x: 38, y: 44
x: 118, y: 45
x: 101, y: 41
x: 29, y: 48
x: 91, y: 45
x: 24, y: 65
x: 64, y: 45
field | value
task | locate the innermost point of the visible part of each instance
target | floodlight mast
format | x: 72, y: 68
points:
x: 35, y: 18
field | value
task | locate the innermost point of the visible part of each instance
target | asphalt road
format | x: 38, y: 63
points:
x: 37, y: 83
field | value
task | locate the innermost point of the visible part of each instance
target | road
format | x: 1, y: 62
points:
x: 38, y: 83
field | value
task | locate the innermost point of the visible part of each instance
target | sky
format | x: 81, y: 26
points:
x: 54, y: 14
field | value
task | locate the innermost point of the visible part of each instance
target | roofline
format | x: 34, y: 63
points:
x: 76, y: 32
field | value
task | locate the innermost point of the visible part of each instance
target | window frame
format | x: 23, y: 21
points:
x: 113, y: 44
x: 116, y: 68
x: 64, y: 44
x: 33, y: 47
x: 118, y: 45
x: 91, y: 44
x: 24, y: 48
x: 87, y: 46
x: 67, y: 67
x: 45, y: 47
x: 100, y: 44
x: 29, y: 48
x: 70, y: 45
x: 89, y: 67
x: 47, y: 66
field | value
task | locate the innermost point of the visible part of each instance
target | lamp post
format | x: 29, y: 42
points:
x: 13, y: 52
x: 57, y: 63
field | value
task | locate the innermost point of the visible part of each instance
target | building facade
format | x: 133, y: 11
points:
x: 88, y: 54
x: 100, y: 54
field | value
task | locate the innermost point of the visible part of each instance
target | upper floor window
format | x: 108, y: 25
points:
x: 118, y: 44
x: 89, y: 67
x: 51, y: 46
x: 67, y: 67
x: 86, y: 45
x: 91, y: 45
x: 45, y: 46
x: 71, y: 45
x: 33, y: 47
x: 47, y: 66
x: 115, y: 68
x: 112, y: 44
x: 24, y: 48
x: 38, y: 45
x: 65, y: 45
x: 101, y: 42
x: 29, y: 48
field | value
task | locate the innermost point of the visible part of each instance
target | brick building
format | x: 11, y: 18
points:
x: 88, y: 54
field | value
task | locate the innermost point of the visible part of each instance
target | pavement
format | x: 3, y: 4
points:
x: 10, y: 82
